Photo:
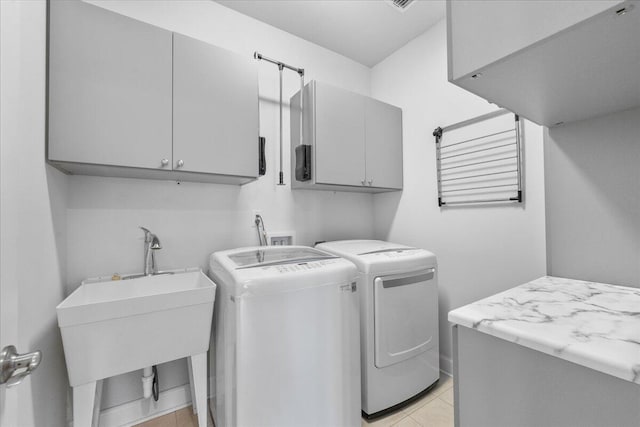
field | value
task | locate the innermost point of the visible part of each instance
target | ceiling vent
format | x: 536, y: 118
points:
x: 400, y: 5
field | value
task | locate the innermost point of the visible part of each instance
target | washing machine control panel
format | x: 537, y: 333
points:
x: 300, y: 266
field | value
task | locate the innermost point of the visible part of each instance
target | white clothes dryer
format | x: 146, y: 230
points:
x: 287, y: 347
x: 399, y: 321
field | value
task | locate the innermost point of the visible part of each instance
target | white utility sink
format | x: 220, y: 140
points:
x: 110, y: 327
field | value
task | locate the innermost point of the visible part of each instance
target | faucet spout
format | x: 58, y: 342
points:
x: 151, y: 244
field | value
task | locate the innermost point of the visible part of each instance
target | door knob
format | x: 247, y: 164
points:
x: 180, y: 163
x: 15, y: 367
x: 164, y: 162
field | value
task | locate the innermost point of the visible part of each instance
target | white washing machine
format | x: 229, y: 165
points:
x: 399, y: 321
x: 287, y: 347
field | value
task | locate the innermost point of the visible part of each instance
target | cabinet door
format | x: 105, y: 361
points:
x: 109, y: 88
x: 405, y: 316
x: 383, y: 145
x: 339, y: 136
x: 215, y: 109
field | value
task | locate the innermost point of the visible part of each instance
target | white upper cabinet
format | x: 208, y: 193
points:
x: 109, y: 88
x: 356, y: 141
x: 550, y: 62
x: 215, y: 109
x: 132, y: 100
x: 484, y: 32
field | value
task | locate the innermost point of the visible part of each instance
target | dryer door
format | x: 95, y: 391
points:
x: 405, y: 316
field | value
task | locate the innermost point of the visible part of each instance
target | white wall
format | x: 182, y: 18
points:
x: 481, y: 250
x: 32, y: 222
x: 192, y: 220
x: 592, y: 173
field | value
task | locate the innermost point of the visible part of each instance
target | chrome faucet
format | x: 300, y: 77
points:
x: 151, y: 244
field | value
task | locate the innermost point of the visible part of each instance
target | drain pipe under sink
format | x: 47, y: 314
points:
x: 150, y: 382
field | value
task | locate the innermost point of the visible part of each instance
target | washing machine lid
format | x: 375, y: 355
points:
x: 270, y: 255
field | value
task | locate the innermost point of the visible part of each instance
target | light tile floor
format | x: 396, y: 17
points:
x: 435, y: 409
x: 181, y: 418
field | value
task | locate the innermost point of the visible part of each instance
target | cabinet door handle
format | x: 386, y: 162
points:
x: 164, y: 162
x: 180, y: 163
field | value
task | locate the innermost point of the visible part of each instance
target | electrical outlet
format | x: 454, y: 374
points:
x: 281, y: 241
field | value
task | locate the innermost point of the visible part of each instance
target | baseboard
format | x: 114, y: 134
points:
x: 446, y: 365
x: 138, y: 411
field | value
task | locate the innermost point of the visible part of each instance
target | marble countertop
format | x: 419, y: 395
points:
x: 592, y: 324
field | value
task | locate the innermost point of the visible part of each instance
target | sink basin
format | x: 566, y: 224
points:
x: 112, y: 327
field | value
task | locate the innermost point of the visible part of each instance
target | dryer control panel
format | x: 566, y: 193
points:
x: 398, y: 254
x: 392, y: 253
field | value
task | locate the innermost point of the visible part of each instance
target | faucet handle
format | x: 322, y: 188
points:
x: 155, y: 242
